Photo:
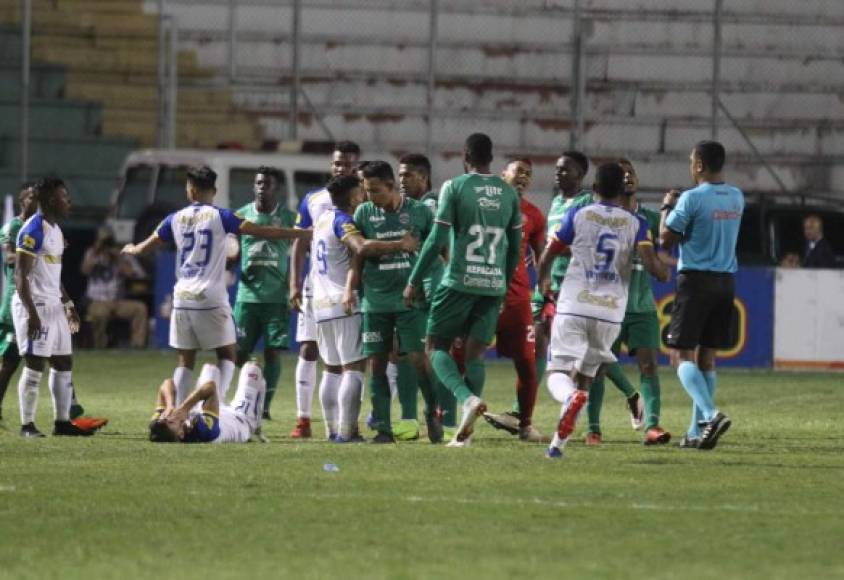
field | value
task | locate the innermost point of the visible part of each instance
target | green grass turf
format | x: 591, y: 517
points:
x: 767, y: 503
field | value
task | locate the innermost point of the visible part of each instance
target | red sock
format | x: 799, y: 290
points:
x: 526, y: 388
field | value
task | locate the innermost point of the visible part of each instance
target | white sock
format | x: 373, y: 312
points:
x: 305, y: 382
x: 351, y: 386
x: 393, y: 379
x: 329, y: 388
x: 61, y: 390
x: 183, y: 379
x: 210, y: 374
x: 226, y: 373
x: 560, y: 386
x: 28, y: 384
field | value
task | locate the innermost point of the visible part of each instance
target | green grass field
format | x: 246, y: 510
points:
x: 767, y: 503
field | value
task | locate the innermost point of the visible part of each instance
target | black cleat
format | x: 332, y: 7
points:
x: 30, y: 431
x: 689, y: 442
x: 713, y: 430
x: 383, y: 438
x: 435, y: 428
x: 68, y: 429
x: 266, y: 415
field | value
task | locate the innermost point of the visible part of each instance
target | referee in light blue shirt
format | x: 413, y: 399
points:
x: 705, y: 222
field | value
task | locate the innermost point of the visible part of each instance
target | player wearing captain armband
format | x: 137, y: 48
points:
x: 202, y: 317
x: 592, y: 301
x: 202, y: 417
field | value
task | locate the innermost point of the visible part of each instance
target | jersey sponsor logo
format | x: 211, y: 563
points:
x: 476, y: 282
x: 376, y: 218
x: 263, y: 249
x: 386, y: 235
x: 394, y: 266
x: 372, y: 336
x: 612, y: 222
x: 489, y: 204
x: 488, y: 190
x: 586, y: 297
x: 182, y: 294
x: 721, y: 215
x: 483, y: 270
x: 198, y: 217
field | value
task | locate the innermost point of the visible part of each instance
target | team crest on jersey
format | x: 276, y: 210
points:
x: 376, y: 218
x: 404, y: 218
x: 28, y: 242
x: 489, y: 204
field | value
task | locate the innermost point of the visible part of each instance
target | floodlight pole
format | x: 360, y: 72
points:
x: 26, y: 48
x: 716, y: 66
x: 296, y: 73
x: 432, y: 75
x: 578, y: 84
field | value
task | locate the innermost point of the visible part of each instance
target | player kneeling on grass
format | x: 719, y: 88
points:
x: 202, y: 418
x: 602, y: 238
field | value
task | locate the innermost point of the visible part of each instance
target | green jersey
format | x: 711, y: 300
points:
x: 263, y: 263
x: 640, y: 296
x: 559, y: 206
x: 435, y: 274
x: 385, y: 277
x: 481, y: 210
x: 8, y: 235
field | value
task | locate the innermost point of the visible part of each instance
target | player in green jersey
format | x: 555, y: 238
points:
x: 639, y: 331
x: 479, y: 217
x: 389, y: 216
x: 261, y: 308
x: 8, y: 235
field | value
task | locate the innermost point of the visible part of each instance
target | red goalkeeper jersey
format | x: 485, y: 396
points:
x: 533, y: 236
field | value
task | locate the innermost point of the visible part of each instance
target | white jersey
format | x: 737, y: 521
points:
x: 199, y: 232
x: 330, y: 261
x: 44, y: 242
x: 602, y: 238
x: 312, y: 207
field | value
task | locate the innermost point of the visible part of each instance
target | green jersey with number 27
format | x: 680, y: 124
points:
x: 480, y: 209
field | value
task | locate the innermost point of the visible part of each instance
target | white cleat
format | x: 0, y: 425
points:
x: 473, y: 408
x: 455, y: 443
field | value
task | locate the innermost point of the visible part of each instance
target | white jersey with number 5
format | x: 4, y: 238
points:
x: 199, y: 232
x: 602, y: 238
x: 330, y: 261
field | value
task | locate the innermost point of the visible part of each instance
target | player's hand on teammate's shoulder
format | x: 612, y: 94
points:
x: 409, y: 242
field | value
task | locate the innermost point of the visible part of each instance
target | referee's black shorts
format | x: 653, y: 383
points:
x: 703, y: 313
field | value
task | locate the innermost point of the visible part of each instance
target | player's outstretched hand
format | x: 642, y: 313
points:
x: 130, y: 249
x: 409, y: 243
x: 409, y: 295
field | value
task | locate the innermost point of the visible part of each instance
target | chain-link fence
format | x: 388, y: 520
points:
x: 611, y: 77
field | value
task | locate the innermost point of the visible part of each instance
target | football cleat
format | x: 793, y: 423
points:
x: 637, y: 411
x: 530, y: 434
x: 688, y: 442
x: 593, y: 439
x: 383, y: 438
x: 68, y: 429
x: 508, y: 421
x: 554, y: 453
x: 464, y: 443
x: 265, y: 416
x: 90, y: 423
x: 406, y: 430
x: 30, y: 431
x: 656, y: 436
x: 473, y: 408
x: 435, y: 428
x: 76, y: 411
x: 302, y: 429
x: 713, y: 431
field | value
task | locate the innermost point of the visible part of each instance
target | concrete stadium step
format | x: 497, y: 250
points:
x: 117, y: 61
x: 90, y: 193
x: 46, y: 81
x: 145, y: 96
x: 53, y: 118
x: 67, y: 156
x: 193, y: 130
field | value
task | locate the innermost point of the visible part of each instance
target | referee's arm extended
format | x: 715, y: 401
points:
x: 668, y: 238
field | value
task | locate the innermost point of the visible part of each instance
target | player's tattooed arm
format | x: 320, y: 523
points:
x: 274, y: 232
x: 151, y: 243
x: 352, y: 284
x: 25, y: 264
x: 652, y: 262
x: 365, y: 248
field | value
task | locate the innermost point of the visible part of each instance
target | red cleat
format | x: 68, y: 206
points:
x: 569, y: 418
x: 656, y: 436
x: 90, y: 423
x: 303, y: 428
x: 593, y: 439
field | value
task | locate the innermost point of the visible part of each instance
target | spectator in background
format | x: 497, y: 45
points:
x: 106, y: 270
x: 790, y: 260
x: 817, y: 252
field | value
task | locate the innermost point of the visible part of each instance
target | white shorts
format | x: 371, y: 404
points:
x: 54, y: 338
x: 581, y: 344
x: 306, y: 325
x: 339, y: 340
x: 202, y: 329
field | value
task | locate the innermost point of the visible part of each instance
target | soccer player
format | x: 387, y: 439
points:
x: 639, y: 330
x: 593, y: 297
x: 515, y: 335
x: 202, y: 417
x: 479, y: 215
x: 343, y: 162
x: 261, y: 307
x: 8, y: 235
x: 705, y: 222
x: 389, y: 216
x: 44, y: 315
x: 415, y: 182
x: 202, y: 317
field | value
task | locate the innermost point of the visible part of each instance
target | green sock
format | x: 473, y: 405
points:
x: 447, y: 402
x: 272, y: 372
x: 379, y: 392
x: 594, y: 404
x: 449, y: 375
x: 619, y: 379
x: 407, y: 386
x: 476, y: 376
x: 651, y: 395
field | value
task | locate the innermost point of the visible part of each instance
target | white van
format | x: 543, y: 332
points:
x: 152, y: 183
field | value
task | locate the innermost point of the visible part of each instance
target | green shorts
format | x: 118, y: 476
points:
x: 639, y: 330
x: 379, y: 329
x: 455, y: 314
x: 7, y: 338
x: 255, y: 320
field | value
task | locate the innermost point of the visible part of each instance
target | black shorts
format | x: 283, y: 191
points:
x: 703, y: 313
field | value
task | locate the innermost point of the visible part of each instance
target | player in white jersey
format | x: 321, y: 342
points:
x: 202, y: 417
x: 43, y: 314
x: 343, y: 162
x: 201, y: 317
x: 593, y: 297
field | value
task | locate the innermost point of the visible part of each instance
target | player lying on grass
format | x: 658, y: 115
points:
x: 602, y: 238
x: 201, y: 418
x: 201, y: 317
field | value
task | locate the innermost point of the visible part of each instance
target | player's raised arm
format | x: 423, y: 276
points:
x: 206, y: 394
x: 274, y: 232
x: 558, y: 244
x: 162, y: 234
x: 364, y: 248
x: 674, y: 218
